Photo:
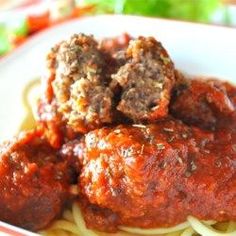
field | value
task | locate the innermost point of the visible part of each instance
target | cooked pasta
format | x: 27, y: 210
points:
x: 83, y: 105
x: 30, y: 96
x: 72, y: 223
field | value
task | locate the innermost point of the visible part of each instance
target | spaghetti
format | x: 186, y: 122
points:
x: 29, y: 101
x: 170, y: 140
x: 73, y: 224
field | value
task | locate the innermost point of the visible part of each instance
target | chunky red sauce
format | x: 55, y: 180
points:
x: 157, y: 175
x: 34, y: 184
x: 97, y: 130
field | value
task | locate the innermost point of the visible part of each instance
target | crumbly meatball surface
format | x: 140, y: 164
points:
x: 90, y: 85
x: 146, y: 80
x: 80, y: 83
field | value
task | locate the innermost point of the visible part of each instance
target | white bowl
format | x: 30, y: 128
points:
x: 195, y: 48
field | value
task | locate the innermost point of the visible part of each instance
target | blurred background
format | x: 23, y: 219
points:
x: 20, y: 19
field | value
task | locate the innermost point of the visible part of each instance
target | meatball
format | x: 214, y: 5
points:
x: 90, y: 85
x: 79, y: 84
x: 201, y: 102
x: 156, y: 175
x: 34, y: 182
x: 146, y: 80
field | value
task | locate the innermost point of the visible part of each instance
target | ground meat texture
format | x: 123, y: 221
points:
x: 204, y: 103
x: 79, y: 83
x: 80, y: 95
x: 157, y: 175
x: 145, y: 80
x: 34, y: 182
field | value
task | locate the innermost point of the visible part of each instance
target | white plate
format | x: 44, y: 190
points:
x: 195, y: 48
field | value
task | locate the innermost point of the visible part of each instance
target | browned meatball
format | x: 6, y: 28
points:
x: 201, y: 102
x: 146, y: 80
x: 34, y: 182
x: 79, y: 83
x: 91, y: 85
x: 156, y: 175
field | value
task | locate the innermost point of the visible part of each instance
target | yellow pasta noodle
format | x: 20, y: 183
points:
x: 73, y: 224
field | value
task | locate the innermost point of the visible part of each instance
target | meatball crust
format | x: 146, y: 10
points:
x: 146, y: 80
x: 79, y: 83
x: 156, y: 175
x: 207, y: 103
x: 90, y: 85
x: 34, y: 182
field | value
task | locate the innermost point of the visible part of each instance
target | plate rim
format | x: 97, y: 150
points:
x: 32, y: 41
